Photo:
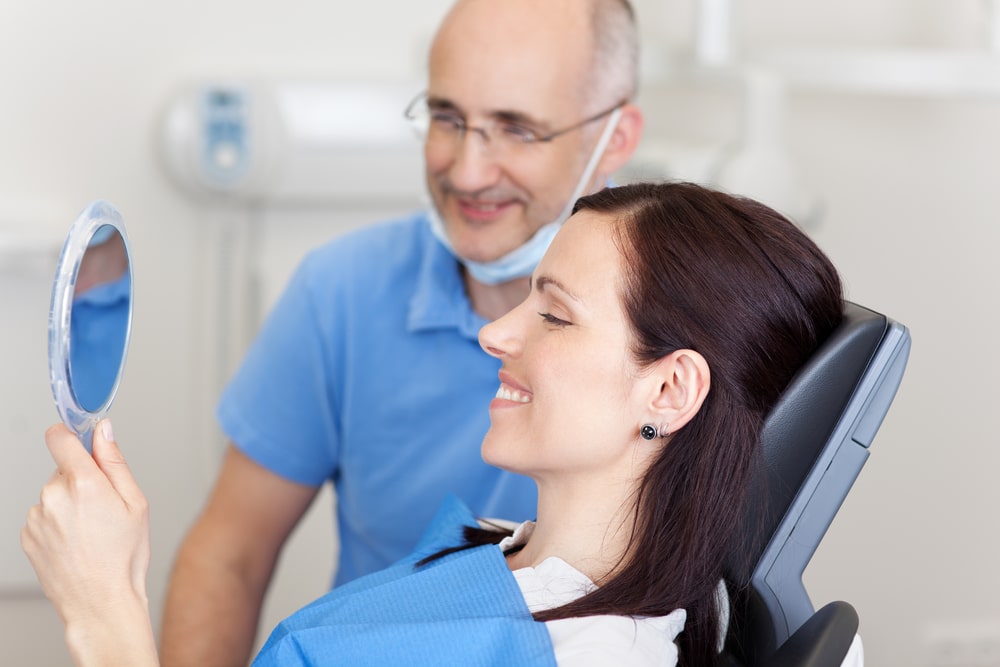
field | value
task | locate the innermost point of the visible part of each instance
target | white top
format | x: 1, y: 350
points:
x: 597, y: 641
x: 592, y: 641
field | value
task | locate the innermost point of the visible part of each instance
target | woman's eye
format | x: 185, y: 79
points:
x: 552, y: 319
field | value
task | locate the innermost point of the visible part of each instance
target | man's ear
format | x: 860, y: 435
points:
x: 683, y: 380
x: 622, y: 143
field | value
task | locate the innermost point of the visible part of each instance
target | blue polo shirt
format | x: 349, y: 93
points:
x: 368, y: 373
x: 98, y: 331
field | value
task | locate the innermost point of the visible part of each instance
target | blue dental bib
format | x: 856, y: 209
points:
x: 463, y: 609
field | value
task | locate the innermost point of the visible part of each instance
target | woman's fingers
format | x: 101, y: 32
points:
x: 67, y: 450
x: 111, y: 461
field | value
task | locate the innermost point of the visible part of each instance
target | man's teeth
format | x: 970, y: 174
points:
x: 486, y: 208
x: 512, y: 395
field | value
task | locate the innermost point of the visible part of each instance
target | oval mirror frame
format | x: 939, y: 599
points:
x: 73, y: 414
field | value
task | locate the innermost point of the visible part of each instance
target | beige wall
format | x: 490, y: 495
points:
x: 908, y: 190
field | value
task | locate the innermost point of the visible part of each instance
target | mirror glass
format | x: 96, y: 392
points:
x: 90, y: 320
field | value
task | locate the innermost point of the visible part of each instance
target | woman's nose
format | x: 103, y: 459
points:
x: 500, y: 338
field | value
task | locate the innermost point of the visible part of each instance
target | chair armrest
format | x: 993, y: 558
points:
x: 822, y: 641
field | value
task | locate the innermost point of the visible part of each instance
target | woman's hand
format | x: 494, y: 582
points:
x: 88, y: 540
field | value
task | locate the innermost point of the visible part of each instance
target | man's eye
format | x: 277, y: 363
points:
x: 552, y: 319
x: 447, y: 120
x: 519, y: 133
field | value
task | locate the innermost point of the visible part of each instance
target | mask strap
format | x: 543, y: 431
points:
x: 588, y: 171
x: 521, y: 260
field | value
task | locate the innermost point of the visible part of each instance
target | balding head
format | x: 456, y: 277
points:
x: 590, y: 46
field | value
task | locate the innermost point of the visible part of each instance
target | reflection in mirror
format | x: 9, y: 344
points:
x: 91, y: 316
x: 99, y: 318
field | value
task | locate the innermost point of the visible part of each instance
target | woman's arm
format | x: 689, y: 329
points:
x: 88, y: 540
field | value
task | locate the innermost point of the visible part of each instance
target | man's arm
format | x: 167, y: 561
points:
x: 223, y: 567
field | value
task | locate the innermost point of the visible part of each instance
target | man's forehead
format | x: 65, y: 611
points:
x: 508, y: 82
x: 526, y: 13
x: 517, y: 45
x: 513, y: 26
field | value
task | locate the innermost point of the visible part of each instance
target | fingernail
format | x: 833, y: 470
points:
x: 109, y: 434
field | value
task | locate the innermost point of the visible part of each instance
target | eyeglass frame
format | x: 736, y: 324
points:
x: 484, y: 132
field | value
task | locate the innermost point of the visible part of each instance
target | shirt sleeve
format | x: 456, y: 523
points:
x: 278, y: 408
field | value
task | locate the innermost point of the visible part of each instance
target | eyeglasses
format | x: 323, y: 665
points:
x: 448, y: 126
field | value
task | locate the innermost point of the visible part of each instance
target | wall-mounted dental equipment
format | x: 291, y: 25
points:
x: 292, y: 141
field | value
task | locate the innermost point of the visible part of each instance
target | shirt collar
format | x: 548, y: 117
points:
x: 106, y: 294
x: 439, y: 300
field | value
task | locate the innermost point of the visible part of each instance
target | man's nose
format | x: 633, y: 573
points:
x: 475, y: 166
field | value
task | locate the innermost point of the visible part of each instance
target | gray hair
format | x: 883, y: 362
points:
x: 615, y: 66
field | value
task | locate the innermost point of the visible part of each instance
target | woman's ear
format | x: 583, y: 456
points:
x: 622, y: 143
x: 684, y: 380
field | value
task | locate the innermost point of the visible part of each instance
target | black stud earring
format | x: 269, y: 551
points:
x: 648, y: 431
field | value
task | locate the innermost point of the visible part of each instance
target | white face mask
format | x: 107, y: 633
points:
x: 521, y: 261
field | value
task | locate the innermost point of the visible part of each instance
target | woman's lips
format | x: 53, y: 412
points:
x: 510, y: 392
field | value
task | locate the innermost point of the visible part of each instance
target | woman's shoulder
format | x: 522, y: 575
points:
x: 596, y: 640
x: 603, y: 640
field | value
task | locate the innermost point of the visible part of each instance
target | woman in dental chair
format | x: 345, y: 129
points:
x: 661, y: 326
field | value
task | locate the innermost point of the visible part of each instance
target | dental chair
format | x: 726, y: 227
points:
x: 815, y: 442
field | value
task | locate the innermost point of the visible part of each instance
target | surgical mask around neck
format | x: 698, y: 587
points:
x: 521, y: 261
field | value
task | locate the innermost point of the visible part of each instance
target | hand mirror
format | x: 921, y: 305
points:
x: 90, y: 319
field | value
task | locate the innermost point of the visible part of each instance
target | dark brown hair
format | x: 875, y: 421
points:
x: 739, y: 283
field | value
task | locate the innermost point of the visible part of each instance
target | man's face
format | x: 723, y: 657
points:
x: 503, y: 65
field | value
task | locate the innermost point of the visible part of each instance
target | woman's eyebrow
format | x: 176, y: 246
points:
x: 546, y: 281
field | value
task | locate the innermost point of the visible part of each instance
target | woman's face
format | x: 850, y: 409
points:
x: 568, y: 401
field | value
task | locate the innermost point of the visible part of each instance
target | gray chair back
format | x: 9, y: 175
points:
x: 815, y: 442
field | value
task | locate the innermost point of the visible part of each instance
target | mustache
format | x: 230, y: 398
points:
x: 493, y: 193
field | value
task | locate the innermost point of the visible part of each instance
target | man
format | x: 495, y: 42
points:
x: 368, y: 372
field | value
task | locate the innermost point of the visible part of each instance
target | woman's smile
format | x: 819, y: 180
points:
x: 507, y: 394
x: 510, y: 392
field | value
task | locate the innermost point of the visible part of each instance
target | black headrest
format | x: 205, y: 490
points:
x: 802, y: 422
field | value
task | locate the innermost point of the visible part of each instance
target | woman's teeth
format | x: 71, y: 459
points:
x: 512, y: 395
